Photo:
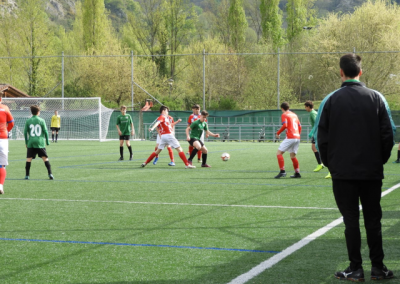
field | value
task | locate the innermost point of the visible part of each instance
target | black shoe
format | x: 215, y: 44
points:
x: 281, y: 174
x: 121, y: 159
x: 296, y: 175
x: 379, y: 274
x: 397, y: 161
x: 130, y: 158
x: 348, y: 274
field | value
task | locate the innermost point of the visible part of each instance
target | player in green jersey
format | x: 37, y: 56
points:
x: 196, y: 129
x: 125, y: 129
x: 36, y: 136
x: 309, y: 106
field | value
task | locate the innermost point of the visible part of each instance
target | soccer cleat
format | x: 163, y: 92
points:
x: 51, y: 176
x: 319, y: 167
x: 143, y: 165
x: 281, y: 174
x: 328, y: 176
x: 55, y: 141
x: 205, y: 166
x: 348, y: 274
x: 1, y: 189
x: 189, y: 166
x: 171, y: 164
x: 199, y: 160
x: 190, y: 162
x: 121, y: 159
x: 130, y: 158
x: 155, y: 161
x: 52, y: 141
x: 296, y: 175
x: 397, y: 161
x: 379, y: 274
x: 26, y: 177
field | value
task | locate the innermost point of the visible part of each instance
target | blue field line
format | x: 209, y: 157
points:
x: 137, y: 245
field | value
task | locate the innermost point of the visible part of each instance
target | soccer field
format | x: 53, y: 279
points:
x: 103, y: 221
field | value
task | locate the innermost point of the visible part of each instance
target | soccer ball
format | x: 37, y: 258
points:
x: 225, y: 157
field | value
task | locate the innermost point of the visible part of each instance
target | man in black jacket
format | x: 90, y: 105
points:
x: 354, y: 136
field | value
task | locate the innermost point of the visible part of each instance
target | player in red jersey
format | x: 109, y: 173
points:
x: 6, y: 124
x: 171, y: 154
x: 291, y: 123
x: 192, y: 118
x: 167, y: 137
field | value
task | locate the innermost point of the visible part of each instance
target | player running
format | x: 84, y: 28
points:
x: 125, y: 129
x: 171, y: 154
x: 167, y: 138
x: 197, y: 129
x: 192, y: 118
x: 309, y: 106
x: 6, y: 124
x: 35, y: 133
x: 291, y: 123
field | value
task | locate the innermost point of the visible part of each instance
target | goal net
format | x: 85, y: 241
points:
x: 81, y: 118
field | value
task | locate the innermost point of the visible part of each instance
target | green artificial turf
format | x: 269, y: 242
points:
x: 104, y: 221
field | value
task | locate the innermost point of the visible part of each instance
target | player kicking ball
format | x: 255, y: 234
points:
x: 167, y: 137
x: 291, y: 123
x: 196, y: 130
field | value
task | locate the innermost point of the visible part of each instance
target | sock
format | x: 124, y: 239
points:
x: 52, y: 137
x: 190, y: 150
x: 47, y: 164
x: 318, y: 157
x: 27, y: 168
x: 296, y: 165
x: 130, y: 150
x: 3, y: 174
x: 56, y: 137
x: 183, y: 157
x: 281, y: 162
x: 193, y: 154
x: 151, y: 157
x: 171, y: 154
x: 398, y: 155
x: 199, y: 155
x: 204, y: 159
x: 155, y: 149
x: 121, y: 151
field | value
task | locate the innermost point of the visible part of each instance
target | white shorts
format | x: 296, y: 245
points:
x: 168, y: 139
x: 289, y: 145
x: 159, y: 140
x: 3, y: 152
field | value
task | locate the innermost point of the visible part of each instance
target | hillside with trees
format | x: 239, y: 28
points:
x: 241, y: 40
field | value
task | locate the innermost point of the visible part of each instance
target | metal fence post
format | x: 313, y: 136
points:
x: 62, y: 79
x: 204, y: 79
x: 278, y: 79
x: 132, y: 91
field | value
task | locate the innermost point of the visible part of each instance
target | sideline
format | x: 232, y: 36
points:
x: 293, y: 248
x: 167, y: 203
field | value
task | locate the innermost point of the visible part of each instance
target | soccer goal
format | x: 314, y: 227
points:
x: 81, y: 118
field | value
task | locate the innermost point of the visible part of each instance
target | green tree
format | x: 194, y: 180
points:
x: 237, y: 24
x: 96, y: 26
x: 271, y: 22
x: 180, y: 19
x: 300, y: 13
x: 36, y: 39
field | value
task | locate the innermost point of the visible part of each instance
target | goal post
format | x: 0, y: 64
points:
x: 81, y: 118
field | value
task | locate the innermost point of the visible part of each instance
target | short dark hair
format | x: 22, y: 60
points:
x: 196, y: 106
x: 35, y: 109
x: 309, y: 104
x: 285, y: 106
x: 204, y: 112
x: 351, y: 65
x: 162, y: 108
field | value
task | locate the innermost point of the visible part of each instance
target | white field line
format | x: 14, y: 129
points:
x: 293, y: 248
x: 166, y: 203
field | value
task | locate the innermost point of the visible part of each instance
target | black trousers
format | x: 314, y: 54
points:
x: 348, y: 193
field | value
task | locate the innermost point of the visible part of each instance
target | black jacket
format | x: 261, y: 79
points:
x: 355, y: 133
